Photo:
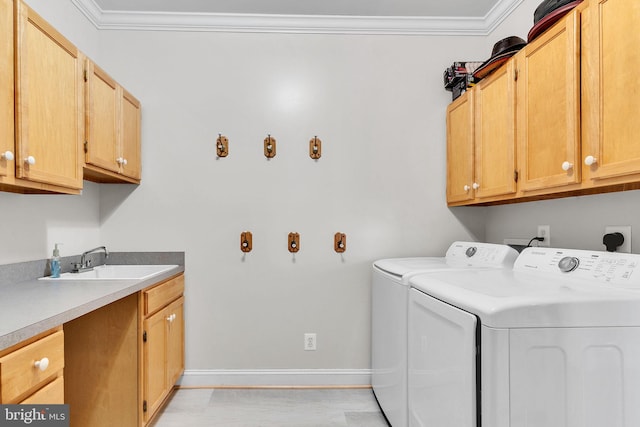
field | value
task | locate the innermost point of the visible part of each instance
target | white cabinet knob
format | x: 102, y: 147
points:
x: 590, y: 160
x: 566, y: 166
x: 171, y: 317
x: 119, y: 160
x: 466, y: 188
x: 124, y: 162
x: 42, y: 364
x: 475, y: 185
x: 7, y: 155
x: 30, y: 160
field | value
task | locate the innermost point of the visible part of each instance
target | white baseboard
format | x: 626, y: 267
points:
x: 275, y: 377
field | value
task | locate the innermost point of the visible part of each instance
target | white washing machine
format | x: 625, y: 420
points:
x: 554, y: 342
x: 390, y: 296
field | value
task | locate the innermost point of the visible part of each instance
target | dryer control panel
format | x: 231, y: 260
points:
x: 608, y: 267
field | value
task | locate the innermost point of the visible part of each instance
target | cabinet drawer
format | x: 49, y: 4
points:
x: 18, y: 371
x: 51, y: 394
x: 161, y: 295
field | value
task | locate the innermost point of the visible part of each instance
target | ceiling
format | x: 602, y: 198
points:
x: 415, y: 8
x: 403, y: 17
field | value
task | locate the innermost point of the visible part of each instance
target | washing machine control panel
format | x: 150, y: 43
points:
x: 479, y: 254
x: 607, y: 267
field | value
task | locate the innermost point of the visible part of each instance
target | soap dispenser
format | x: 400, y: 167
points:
x: 55, y: 262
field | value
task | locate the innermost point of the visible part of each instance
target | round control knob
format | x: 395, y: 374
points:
x: 590, y: 160
x: 42, y: 364
x: 567, y: 165
x: 471, y: 251
x: 30, y: 160
x: 568, y: 264
x: 475, y: 186
x: 7, y: 155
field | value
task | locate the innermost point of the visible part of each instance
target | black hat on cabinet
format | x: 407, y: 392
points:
x: 502, y: 50
x: 548, y: 13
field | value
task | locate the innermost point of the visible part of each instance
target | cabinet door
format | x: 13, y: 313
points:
x: 175, y: 342
x: 611, y: 89
x: 6, y: 88
x: 49, y: 105
x: 155, y: 360
x: 102, y: 101
x: 460, y: 149
x: 549, y: 107
x: 130, y: 136
x: 495, y: 161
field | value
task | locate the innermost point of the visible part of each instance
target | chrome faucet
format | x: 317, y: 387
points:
x: 85, y: 264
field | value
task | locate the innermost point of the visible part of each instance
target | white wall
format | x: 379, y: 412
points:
x: 31, y: 224
x: 576, y: 222
x: 378, y: 105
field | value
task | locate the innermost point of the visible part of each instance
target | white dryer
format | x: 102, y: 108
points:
x: 554, y: 342
x: 390, y: 297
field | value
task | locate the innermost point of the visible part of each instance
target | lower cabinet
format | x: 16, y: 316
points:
x: 122, y: 360
x: 163, y: 343
x: 32, y: 371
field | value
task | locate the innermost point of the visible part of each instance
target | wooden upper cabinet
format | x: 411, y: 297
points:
x: 112, y: 143
x: 101, y: 127
x: 495, y: 156
x: 49, y: 103
x: 611, y: 89
x: 130, y: 141
x: 460, y: 172
x: 7, y: 146
x: 548, y: 108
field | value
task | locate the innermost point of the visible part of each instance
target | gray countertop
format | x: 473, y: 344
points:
x: 30, y: 307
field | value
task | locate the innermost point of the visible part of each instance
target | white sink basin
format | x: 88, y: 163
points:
x: 115, y: 272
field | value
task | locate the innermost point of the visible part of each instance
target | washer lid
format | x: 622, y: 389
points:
x: 459, y: 255
x: 401, y: 267
x: 546, y: 288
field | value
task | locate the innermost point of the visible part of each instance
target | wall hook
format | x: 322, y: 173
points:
x: 269, y: 147
x: 315, y: 148
x: 246, y: 241
x: 222, y: 146
x: 340, y: 242
x: 294, y: 242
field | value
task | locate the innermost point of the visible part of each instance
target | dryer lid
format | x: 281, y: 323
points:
x: 546, y: 288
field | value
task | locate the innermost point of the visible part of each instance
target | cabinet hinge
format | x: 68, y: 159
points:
x: 515, y: 176
x: 144, y: 406
x: 86, y: 146
x: 85, y: 75
x: 144, y: 336
x: 515, y: 74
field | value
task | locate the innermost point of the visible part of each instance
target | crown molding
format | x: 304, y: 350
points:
x: 297, y: 24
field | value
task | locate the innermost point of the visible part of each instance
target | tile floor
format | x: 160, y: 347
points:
x: 271, y: 408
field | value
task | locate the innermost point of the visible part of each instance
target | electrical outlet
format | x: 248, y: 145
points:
x: 544, y: 231
x: 310, y: 342
x: 626, y: 232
